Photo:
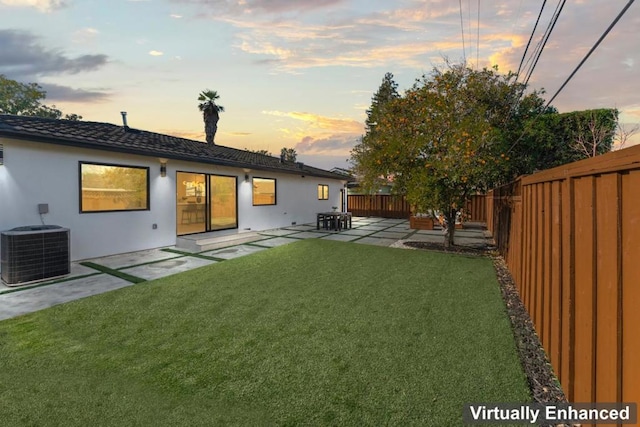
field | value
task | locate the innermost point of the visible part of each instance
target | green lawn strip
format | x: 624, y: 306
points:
x: 39, y: 285
x: 316, y: 333
x: 198, y: 254
x: 112, y: 272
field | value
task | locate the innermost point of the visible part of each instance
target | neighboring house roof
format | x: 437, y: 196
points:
x: 106, y: 136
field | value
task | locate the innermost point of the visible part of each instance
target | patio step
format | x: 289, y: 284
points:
x: 215, y: 240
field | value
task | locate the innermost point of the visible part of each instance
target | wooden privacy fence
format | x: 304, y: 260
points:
x: 476, y: 208
x: 571, y: 239
x: 381, y: 205
x: 391, y: 206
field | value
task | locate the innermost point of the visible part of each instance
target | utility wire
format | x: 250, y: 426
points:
x: 593, y: 48
x: 464, y: 51
x: 530, y: 38
x: 615, y: 21
x: 550, y: 28
x: 478, y: 36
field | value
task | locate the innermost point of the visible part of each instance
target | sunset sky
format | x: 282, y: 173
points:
x: 298, y: 73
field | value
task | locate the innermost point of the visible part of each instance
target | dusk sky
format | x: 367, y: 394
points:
x: 298, y: 73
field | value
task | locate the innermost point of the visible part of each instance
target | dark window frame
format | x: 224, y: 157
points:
x: 148, y: 187
x: 275, y: 191
x: 324, y: 187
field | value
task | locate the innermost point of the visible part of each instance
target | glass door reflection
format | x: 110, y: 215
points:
x: 191, y: 197
x: 223, y: 212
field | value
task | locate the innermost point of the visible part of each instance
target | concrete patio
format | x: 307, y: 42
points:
x: 152, y: 264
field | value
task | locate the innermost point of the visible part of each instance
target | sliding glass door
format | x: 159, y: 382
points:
x: 222, y: 202
x: 205, y: 202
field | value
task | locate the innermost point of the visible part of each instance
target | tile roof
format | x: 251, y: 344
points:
x: 106, y: 136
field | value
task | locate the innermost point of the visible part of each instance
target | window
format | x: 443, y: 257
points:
x: 107, y: 188
x: 264, y: 191
x: 323, y: 192
x: 1, y: 155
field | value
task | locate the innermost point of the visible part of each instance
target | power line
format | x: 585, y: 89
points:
x: 593, y: 48
x: 550, y: 28
x: 615, y: 21
x: 530, y: 38
x: 478, y: 36
x: 464, y: 51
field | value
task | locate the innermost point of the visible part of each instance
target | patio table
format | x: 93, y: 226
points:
x: 334, y: 220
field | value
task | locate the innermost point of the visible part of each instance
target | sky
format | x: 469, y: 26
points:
x: 299, y: 73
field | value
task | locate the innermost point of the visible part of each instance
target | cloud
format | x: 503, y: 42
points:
x: 607, y: 79
x: 238, y: 133
x: 197, y: 136
x: 175, y: 16
x: 250, y: 7
x: 85, y: 35
x: 289, y: 43
x: 68, y: 94
x: 155, y: 53
x: 22, y: 56
x: 322, y: 122
x: 41, y: 5
x: 337, y: 144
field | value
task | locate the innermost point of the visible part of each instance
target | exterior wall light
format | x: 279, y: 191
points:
x: 163, y: 167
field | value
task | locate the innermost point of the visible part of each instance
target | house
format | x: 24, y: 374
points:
x: 119, y: 189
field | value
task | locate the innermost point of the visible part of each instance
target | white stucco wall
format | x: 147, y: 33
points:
x: 36, y: 173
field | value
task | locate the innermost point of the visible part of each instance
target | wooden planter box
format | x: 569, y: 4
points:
x: 459, y: 226
x: 421, y: 223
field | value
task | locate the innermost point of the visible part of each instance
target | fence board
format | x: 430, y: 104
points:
x: 567, y: 368
x: 607, y: 227
x: 546, y: 266
x: 585, y: 282
x: 555, y: 298
x: 630, y: 287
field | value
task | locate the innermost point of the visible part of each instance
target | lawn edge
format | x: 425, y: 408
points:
x: 541, y: 378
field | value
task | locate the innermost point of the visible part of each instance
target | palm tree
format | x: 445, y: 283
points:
x: 210, y: 113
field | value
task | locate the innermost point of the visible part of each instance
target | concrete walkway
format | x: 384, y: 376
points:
x: 106, y: 273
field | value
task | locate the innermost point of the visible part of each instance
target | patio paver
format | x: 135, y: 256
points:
x: 133, y: 258
x: 277, y: 232
x: 376, y: 241
x: 341, y: 237
x: 308, y: 235
x: 373, y: 227
x: 300, y: 227
x: 28, y: 300
x: 234, y: 251
x: 357, y: 232
x: 276, y: 241
x: 167, y: 267
x: 390, y: 234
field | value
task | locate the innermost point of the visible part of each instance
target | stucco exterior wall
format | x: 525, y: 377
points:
x: 36, y: 173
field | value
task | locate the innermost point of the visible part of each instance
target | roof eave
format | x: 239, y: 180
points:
x: 160, y: 154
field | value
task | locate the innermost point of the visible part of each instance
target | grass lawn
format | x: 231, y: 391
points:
x: 311, y: 333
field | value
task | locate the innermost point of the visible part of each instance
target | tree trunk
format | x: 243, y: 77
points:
x: 450, y: 217
x: 211, y: 127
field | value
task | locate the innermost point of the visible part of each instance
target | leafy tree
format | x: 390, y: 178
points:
x: 265, y: 152
x: 210, y: 113
x: 25, y: 99
x: 446, y: 138
x: 381, y: 105
x: 288, y: 154
x: 556, y: 139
